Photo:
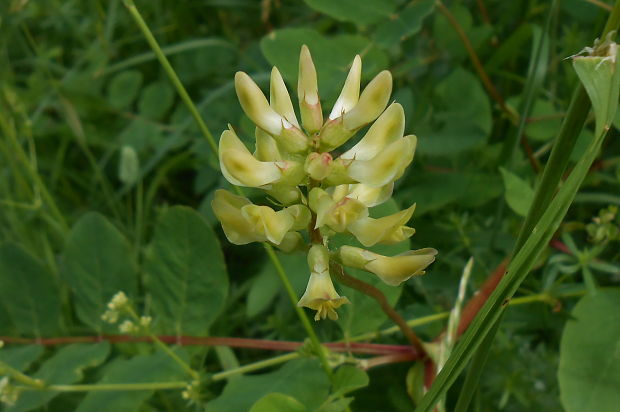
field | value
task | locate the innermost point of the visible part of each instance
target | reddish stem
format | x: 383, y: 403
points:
x: 354, y: 347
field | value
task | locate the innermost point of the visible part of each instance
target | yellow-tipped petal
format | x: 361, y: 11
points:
x: 391, y: 270
x: 240, y: 168
x: 308, y: 93
x: 371, y: 103
x: 267, y: 222
x: 256, y: 107
x: 279, y: 98
x: 227, y: 209
x: 350, y: 92
x: 387, y: 230
x: 388, y: 128
x: 387, y: 166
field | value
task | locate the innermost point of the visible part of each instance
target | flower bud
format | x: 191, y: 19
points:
x: 386, y: 230
x: 320, y: 293
x: 279, y: 99
x: 387, y: 166
x: 388, y: 128
x: 371, y: 103
x: 318, y: 165
x: 308, y: 93
x: 339, y: 173
x: 350, y: 91
x: 334, y: 134
x: 238, y: 165
x: 335, y: 214
x: 391, y: 270
x: 255, y: 106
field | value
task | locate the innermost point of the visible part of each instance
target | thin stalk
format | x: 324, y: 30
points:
x: 484, y: 77
x: 377, y: 295
x: 172, y: 75
x: 163, y: 346
x: 255, y: 366
x: 300, y: 312
x: 6, y: 369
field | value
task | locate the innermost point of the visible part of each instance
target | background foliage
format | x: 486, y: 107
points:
x: 79, y: 221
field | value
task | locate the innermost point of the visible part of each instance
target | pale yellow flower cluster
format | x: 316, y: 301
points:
x: 318, y: 189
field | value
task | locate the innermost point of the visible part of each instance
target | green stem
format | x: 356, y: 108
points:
x: 162, y: 345
x: 163, y: 60
x: 6, y: 369
x: 255, y: 366
x: 321, y: 353
x: 107, y: 387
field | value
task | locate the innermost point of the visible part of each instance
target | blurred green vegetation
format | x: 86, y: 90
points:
x: 78, y: 83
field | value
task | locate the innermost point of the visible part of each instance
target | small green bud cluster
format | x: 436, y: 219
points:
x: 320, y: 187
x: 604, y: 227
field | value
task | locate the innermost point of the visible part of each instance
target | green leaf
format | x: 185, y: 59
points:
x: 400, y: 26
x: 28, y: 292
x: 123, y: 88
x: 347, y: 379
x: 364, y: 314
x: 359, y: 12
x: 589, y: 372
x: 519, y: 194
x: 600, y: 76
x: 20, y: 357
x: 463, y: 119
x: 302, y: 379
x: 187, y: 276
x: 278, y: 402
x: 156, y: 99
x: 97, y: 265
x: 158, y: 367
x: 332, y: 56
x: 64, y: 368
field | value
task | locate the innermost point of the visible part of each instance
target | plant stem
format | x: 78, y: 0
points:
x: 256, y: 366
x: 6, y: 369
x: 300, y: 312
x: 163, y: 60
x: 377, y: 295
x: 484, y: 77
x: 162, y: 345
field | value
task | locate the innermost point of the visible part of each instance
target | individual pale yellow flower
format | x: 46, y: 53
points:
x: 386, y: 230
x: 320, y: 293
x: 393, y: 270
x: 337, y: 214
x: 244, y: 222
